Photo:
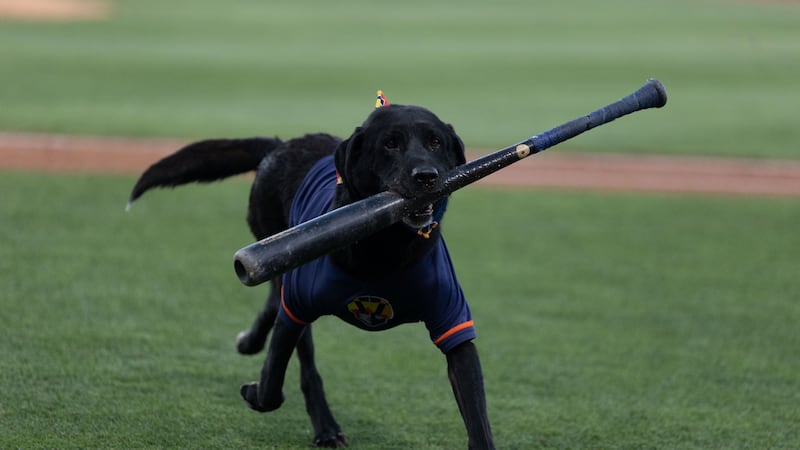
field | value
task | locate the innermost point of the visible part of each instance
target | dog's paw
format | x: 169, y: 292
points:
x: 331, y: 440
x: 249, y: 393
x: 245, y: 345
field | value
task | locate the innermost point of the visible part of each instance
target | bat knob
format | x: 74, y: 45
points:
x: 655, y: 94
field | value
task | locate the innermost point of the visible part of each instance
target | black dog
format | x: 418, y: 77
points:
x: 398, y: 275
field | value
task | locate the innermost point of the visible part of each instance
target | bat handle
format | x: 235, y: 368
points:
x: 651, y: 95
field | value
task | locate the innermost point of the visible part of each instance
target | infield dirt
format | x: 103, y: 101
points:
x: 54, y: 10
x: 551, y: 169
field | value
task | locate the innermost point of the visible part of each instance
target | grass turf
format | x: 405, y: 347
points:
x: 604, y: 321
x: 498, y: 71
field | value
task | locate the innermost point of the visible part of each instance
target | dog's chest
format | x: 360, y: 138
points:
x: 427, y: 291
x: 420, y: 293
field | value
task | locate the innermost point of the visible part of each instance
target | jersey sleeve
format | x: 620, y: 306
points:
x: 454, y: 325
x: 288, y: 314
x: 449, y: 320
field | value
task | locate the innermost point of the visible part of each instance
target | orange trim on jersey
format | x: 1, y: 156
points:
x: 289, y: 313
x: 453, y: 331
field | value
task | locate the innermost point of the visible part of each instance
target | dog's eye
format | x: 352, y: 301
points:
x: 391, y: 144
x: 435, y: 143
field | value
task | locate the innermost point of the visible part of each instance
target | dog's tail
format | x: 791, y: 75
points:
x: 204, y: 161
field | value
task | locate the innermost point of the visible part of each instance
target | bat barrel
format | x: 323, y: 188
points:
x: 281, y: 252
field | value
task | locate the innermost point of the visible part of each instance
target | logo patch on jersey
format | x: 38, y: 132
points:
x: 371, y: 311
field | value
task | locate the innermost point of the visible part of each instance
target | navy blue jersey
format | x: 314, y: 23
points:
x: 428, y: 291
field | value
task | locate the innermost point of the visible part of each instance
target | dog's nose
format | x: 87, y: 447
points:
x: 425, y: 175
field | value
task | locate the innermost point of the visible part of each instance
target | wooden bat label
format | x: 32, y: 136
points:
x: 523, y: 151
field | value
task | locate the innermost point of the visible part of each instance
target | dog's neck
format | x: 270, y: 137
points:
x: 393, y: 248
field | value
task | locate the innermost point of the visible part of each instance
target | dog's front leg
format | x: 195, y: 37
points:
x: 267, y: 394
x: 464, y: 371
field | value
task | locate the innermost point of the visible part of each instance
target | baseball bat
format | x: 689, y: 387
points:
x: 281, y: 252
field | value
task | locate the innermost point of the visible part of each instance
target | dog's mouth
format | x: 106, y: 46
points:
x: 419, y: 218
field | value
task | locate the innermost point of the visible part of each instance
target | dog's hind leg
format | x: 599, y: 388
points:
x: 252, y: 341
x: 327, y: 432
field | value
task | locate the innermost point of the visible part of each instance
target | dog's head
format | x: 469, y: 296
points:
x: 400, y: 148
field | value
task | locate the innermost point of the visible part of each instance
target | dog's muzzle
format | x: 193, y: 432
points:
x: 425, y: 179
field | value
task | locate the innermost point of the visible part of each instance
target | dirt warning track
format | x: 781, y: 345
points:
x: 551, y: 169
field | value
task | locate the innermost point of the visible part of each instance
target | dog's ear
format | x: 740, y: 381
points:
x: 458, y: 146
x: 345, y: 153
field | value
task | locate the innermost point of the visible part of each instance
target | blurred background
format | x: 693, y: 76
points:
x: 605, y: 320
x: 499, y: 72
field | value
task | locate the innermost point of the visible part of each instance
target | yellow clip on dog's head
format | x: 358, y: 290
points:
x: 381, y: 100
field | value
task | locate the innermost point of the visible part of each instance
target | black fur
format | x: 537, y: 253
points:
x: 205, y: 161
x: 406, y: 149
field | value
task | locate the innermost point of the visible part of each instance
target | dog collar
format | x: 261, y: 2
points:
x: 425, y: 232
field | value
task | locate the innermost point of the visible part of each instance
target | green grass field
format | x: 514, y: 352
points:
x: 604, y: 320
x: 499, y: 71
